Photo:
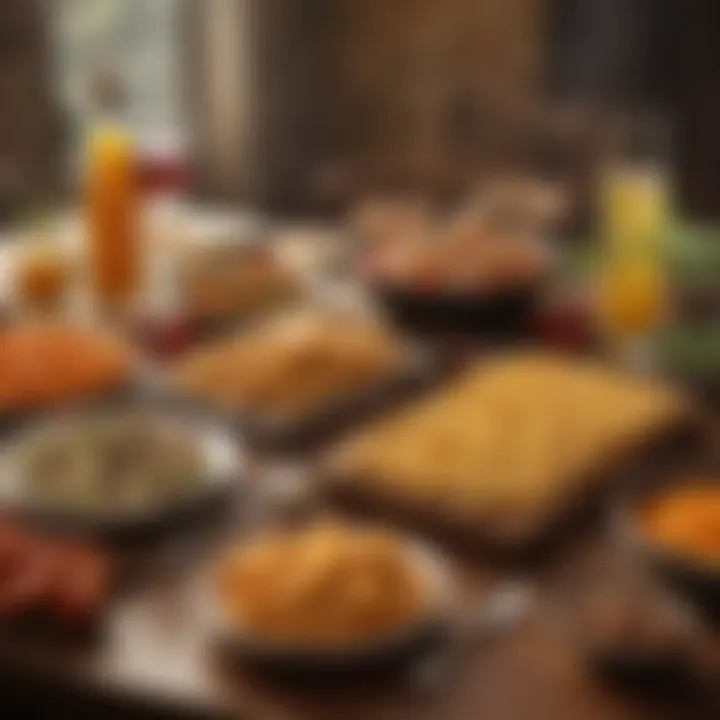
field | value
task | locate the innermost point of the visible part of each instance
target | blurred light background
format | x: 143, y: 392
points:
x: 299, y: 106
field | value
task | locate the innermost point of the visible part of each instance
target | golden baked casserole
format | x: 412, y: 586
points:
x: 510, y: 433
x: 290, y: 365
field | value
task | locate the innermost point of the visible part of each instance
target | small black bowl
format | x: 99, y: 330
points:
x: 365, y: 658
x: 637, y: 667
x: 631, y: 631
x: 694, y: 579
x: 378, y: 660
x: 698, y: 582
x: 507, y: 312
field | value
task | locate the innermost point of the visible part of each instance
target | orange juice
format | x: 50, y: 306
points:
x: 633, y: 284
x: 634, y: 208
x: 112, y: 215
x: 632, y: 297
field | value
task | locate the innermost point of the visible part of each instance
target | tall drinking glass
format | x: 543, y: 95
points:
x: 634, y: 213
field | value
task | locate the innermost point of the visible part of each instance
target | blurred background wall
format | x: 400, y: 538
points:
x: 30, y: 125
x: 140, y: 40
x: 425, y: 93
x: 299, y: 106
x: 219, y: 66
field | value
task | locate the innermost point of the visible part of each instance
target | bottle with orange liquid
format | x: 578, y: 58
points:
x: 112, y: 203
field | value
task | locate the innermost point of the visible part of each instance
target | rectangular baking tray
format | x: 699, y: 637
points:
x: 292, y: 434
x: 528, y: 531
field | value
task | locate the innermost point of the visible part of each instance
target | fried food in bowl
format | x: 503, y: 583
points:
x: 329, y: 586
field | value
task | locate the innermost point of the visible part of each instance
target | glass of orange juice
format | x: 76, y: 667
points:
x: 633, y: 290
x: 633, y: 297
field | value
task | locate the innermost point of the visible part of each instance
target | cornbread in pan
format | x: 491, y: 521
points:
x: 516, y: 433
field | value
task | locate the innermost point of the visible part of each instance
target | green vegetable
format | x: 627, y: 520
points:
x: 690, y: 349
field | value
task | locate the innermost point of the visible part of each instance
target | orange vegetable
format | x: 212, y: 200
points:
x: 44, y: 365
x: 687, y: 520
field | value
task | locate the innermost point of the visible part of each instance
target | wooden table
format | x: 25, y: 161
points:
x: 156, y: 659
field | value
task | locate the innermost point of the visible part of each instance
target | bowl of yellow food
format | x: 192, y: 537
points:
x: 329, y: 597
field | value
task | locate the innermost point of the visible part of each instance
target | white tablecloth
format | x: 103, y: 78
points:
x: 170, y: 228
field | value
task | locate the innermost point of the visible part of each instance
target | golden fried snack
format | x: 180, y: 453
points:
x: 330, y: 584
x: 234, y: 280
x: 291, y: 365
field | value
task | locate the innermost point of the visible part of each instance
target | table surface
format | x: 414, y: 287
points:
x: 155, y: 652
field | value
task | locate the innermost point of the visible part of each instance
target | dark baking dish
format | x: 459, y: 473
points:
x: 303, y: 432
x: 696, y: 580
x: 505, y: 312
x: 522, y: 534
x: 496, y: 310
